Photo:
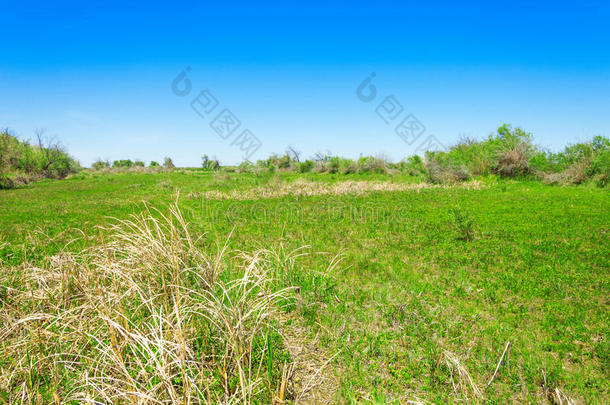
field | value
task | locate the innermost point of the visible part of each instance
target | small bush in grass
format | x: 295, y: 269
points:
x: 463, y: 223
x: 154, y: 164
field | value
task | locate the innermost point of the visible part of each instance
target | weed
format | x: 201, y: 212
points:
x: 463, y: 223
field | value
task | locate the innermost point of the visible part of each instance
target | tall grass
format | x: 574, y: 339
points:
x: 146, y: 317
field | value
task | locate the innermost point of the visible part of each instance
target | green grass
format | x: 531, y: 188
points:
x: 410, y: 287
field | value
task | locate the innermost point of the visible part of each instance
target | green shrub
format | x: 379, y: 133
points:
x: 414, y: 165
x: 464, y: 224
x: 123, y: 163
x: 506, y: 152
x: 47, y: 159
x: 210, y: 164
x: 100, y: 165
x: 371, y: 164
x: 154, y: 164
x: 306, y: 166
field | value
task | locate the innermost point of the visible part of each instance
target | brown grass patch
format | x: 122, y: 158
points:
x: 304, y: 188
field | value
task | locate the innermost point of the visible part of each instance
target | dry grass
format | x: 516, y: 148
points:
x: 310, y: 188
x: 146, y: 317
x: 515, y: 161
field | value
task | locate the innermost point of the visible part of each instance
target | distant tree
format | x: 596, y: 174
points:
x: 168, y: 164
x: 138, y: 163
x: 211, y: 164
x: 124, y: 163
x: 54, y: 160
x: 293, y: 153
x: 154, y: 164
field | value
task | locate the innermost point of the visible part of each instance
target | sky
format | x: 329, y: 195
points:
x: 105, y: 79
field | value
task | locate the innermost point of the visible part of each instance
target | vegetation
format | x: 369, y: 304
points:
x: 21, y: 162
x: 462, y: 276
x: 210, y: 164
x: 432, y: 284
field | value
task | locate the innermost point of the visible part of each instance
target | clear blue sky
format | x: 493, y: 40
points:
x: 99, y: 77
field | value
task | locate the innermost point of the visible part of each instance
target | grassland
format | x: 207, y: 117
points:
x: 413, y: 311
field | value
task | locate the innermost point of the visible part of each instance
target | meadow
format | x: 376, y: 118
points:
x: 371, y: 287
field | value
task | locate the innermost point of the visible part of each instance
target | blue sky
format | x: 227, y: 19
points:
x: 99, y: 77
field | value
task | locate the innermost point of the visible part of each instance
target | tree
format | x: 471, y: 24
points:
x: 293, y: 153
x: 54, y: 160
x: 211, y: 164
x: 168, y: 164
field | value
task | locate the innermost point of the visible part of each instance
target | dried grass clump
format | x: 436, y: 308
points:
x: 461, y: 379
x: 305, y: 188
x: 145, y: 318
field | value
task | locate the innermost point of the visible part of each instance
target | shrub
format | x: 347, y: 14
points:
x: 100, y: 165
x: 514, y: 162
x: 123, y: 163
x: 6, y: 182
x: 138, y: 163
x: 413, y: 165
x: 306, y: 166
x: 46, y: 159
x: 483, y: 157
x: 245, y: 167
x: 368, y: 164
x: 577, y: 164
x: 168, y: 164
x: 463, y: 223
x: 210, y: 164
x: 154, y: 164
x: 438, y: 173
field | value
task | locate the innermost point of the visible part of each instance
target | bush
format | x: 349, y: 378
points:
x: 368, y: 164
x: 463, y: 223
x: 245, y: 167
x: 514, y: 162
x: 511, y: 146
x: 124, y: 163
x: 100, y: 165
x: 154, y: 164
x: 6, y: 182
x: 442, y: 174
x: 413, y: 165
x: 46, y: 159
x: 578, y: 163
x: 210, y: 164
x: 306, y: 166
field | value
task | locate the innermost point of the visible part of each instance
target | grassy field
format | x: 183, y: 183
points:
x: 430, y: 286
